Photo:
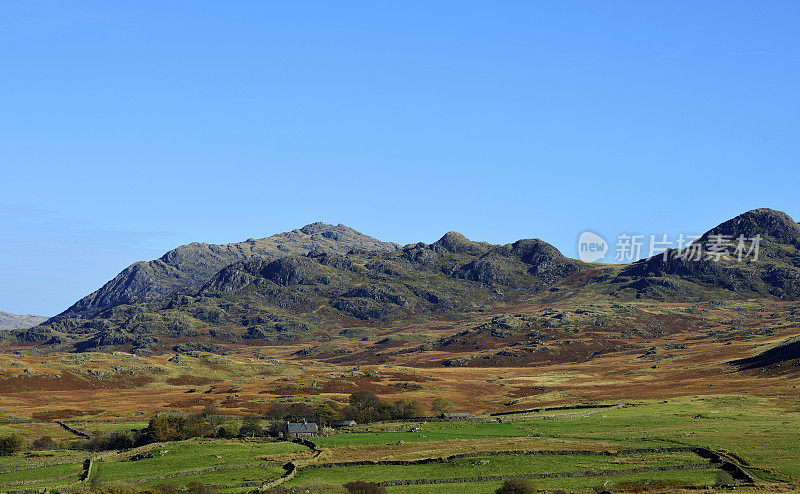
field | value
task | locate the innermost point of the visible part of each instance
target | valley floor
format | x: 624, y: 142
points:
x: 632, y: 446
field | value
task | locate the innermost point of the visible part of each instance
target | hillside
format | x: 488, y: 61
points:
x: 338, y: 286
x: 188, y: 267
x: 10, y: 321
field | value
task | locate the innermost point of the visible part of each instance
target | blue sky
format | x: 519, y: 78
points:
x: 129, y: 128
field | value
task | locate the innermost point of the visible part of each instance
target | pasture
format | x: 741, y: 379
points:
x: 580, y: 449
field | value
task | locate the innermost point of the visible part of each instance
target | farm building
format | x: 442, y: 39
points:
x: 300, y: 430
x: 345, y: 423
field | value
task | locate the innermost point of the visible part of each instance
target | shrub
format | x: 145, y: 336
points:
x: 200, y: 488
x: 308, y: 489
x: 106, y: 442
x: 114, y: 487
x: 724, y: 478
x: 44, y: 443
x: 10, y: 444
x: 228, y: 431
x: 516, y: 486
x: 166, y: 489
x: 361, y: 487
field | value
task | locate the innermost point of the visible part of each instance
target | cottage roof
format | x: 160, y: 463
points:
x: 301, y: 428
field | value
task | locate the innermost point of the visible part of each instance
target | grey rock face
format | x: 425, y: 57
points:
x: 189, y: 267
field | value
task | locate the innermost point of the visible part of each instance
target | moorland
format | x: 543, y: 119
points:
x: 675, y: 372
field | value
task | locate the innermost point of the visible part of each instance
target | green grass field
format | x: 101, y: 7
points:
x: 196, y: 455
x: 45, y: 472
x: 491, y: 465
x: 758, y: 431
x: 695, y: 477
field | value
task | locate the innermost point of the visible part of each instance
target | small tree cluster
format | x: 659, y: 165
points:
x: 363, y: 407
x: 10, y: 444
x: 113, y: 441
x: 251, y: 426
x: 177, y: 427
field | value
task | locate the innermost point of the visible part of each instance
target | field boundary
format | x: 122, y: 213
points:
x: 714, y: 459
x: 583, y: 473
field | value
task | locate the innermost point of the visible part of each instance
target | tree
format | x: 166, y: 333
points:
x: 278, y: 411
x: 211, y: 414
x: 367, y: 407
x: 406, y: 408
x: 364, y: 400
x: 299, y: 411
x: 440, y: 407
x: 516, y: 486
x: 327, y: 412
x: 251, y: 426
x: 176, y: 427
x: 10, y: 444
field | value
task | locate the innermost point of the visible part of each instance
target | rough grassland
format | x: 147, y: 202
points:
x: 696, y: 477
x: 491, y: 465
x: 197, y: 455
x: 759, y: 431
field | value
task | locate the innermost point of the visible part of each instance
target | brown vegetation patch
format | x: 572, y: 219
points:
x: 187, y: 379
x: 68, y: 381
x: 67, y: 413
x: 340, y: 386
x: 523, y: 391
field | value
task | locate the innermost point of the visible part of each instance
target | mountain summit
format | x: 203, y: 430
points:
x: 189, y: 267
x: 771, y: 225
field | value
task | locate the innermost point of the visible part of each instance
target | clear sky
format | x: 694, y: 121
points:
x: 128, y: 128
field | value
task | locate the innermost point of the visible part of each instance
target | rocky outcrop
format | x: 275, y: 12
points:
x: 189, y: 267
x: 771, y: 225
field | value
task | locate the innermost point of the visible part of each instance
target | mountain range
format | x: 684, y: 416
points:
x: 10, y: 321
x: 322, y: 282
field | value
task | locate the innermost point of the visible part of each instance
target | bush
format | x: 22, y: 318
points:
x: 361, y: 487
x: 308, y: 489
x: 107, y: 442
x: 44, y: 443
x: 228, y: 431
x: 200, y: 488
x: 114, y: 487
x: 724, y: 478
x: 167, y: 489
x: 516, y: 486
x: 10, y: 444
